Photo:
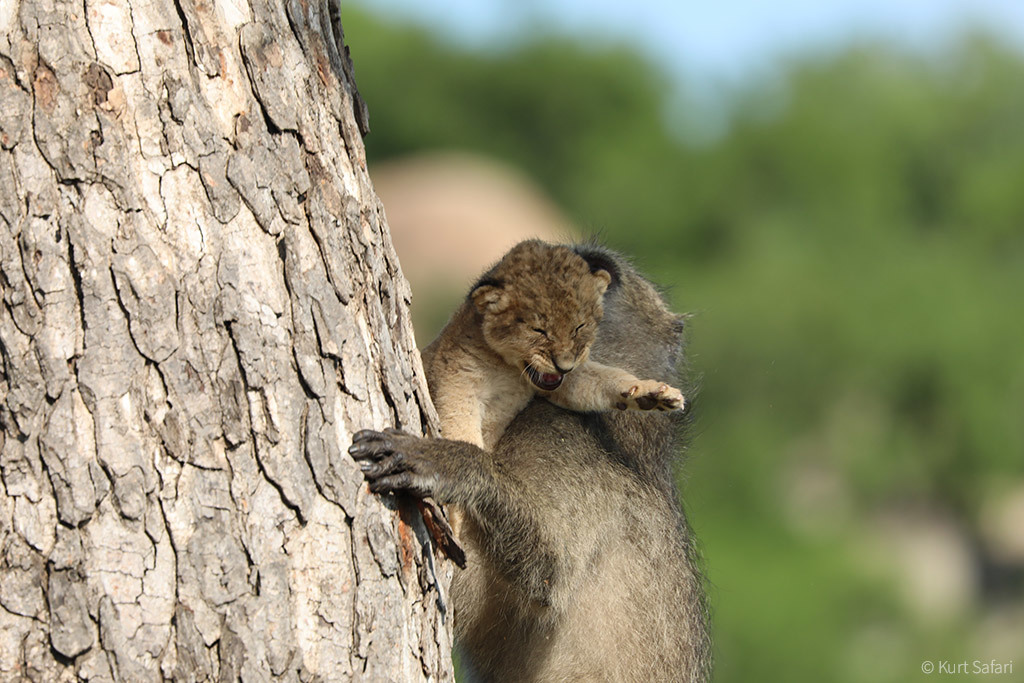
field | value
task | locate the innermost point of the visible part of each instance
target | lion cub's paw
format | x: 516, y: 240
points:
x: 648, y: 394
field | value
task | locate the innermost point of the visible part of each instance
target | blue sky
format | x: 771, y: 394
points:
x: 723, y: 41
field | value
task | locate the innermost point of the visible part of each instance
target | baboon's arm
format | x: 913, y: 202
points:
x: 462, y: 474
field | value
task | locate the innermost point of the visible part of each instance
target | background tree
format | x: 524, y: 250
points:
x: 200, y: 304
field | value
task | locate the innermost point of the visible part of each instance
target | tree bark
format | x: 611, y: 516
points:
x: 201, y: 304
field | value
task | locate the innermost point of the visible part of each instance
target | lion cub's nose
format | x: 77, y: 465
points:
x: 564, y: 364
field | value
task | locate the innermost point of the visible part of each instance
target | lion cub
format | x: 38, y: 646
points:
x: 526, y: 329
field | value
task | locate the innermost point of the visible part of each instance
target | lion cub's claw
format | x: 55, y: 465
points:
x: 651, y: 395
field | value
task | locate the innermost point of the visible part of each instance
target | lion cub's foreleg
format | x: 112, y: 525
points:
x: 596, y: 387
x: 460, y: 417
x: 478, y: 413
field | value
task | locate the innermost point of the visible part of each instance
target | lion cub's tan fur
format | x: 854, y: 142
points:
x: 532, y: 316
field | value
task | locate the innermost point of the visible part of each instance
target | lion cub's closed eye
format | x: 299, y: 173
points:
x: 525, y: 329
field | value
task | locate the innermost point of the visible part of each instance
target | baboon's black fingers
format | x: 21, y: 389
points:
x: 370, y: 449
x: 389, y: 465
x: 401, y: 481
x: 366, y: 435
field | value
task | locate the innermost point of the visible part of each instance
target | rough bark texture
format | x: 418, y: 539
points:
x: 200, y: 304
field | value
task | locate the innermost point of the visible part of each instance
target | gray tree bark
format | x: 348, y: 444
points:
x: 200, y: 304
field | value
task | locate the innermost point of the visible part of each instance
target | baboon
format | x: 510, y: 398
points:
x: 581, y: 566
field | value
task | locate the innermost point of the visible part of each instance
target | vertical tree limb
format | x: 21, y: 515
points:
x: 200, y: 303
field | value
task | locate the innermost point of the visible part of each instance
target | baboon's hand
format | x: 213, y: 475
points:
x: 394, y: 461
x: 649, y: 394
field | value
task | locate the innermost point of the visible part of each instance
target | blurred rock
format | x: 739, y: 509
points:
x: 1002, y: 526
x: 932, y: 556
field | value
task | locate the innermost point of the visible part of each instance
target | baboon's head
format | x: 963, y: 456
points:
x: 639, y: 332
x: 540, y: 307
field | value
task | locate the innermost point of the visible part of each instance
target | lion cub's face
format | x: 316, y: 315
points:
x: 540, y: 307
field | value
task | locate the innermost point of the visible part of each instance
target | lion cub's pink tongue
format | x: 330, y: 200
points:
x: 550, y: 381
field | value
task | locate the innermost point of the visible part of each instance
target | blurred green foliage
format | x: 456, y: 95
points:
x: 853, y: 247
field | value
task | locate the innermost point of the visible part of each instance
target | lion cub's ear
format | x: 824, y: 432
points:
x: 604, y: 278
x: 489, y: 297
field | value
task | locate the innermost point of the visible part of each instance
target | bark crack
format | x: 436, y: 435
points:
x: 272, y: 127
x: 360, y: 662
x: 190, y: 50
x: 6, y: 61
x: 336, y: 360
x: 124, y: 310
x: 37, y: 296
x: 359, y: 108
x: 389, y: 399
x: 138, y: 56
x: 256, y: 449
x: 88, y: 29
x: 308, y: 390
x: 33, y: 617
x: 318, y: 243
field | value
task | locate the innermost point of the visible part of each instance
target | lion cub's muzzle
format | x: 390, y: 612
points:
x: 545, y: 381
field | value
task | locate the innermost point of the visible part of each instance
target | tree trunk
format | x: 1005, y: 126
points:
x: 201, y: 303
